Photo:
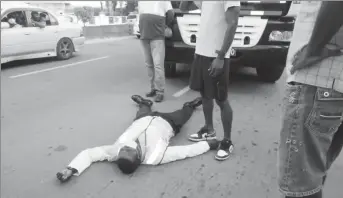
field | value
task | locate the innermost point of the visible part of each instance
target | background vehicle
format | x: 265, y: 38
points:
x: 261, y: 41
x: 136, y: 28
x: 58, y: 39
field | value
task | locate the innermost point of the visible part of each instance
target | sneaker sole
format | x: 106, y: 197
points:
x: 203, y: 139
x: 222, y: 158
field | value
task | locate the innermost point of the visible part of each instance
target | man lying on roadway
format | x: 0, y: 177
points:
x: 145, y: 141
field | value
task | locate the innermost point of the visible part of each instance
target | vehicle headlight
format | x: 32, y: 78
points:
x: 283, y: 36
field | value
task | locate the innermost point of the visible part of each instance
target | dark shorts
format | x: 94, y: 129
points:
x: 311, y: 138
x: 209, y: 87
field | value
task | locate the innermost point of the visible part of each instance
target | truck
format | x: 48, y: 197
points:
x: 261, y: 41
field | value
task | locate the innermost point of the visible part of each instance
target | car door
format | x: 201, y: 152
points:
x: 42, y: 39
x: 14, y: 41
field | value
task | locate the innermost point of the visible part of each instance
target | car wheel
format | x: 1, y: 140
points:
x: 170, y: 70
x: 65, y: 49
x: 138, y: 36
x: 270, y: 73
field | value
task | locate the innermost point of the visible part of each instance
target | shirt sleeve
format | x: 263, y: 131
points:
x: 229, y: 4
x: 174, y: 153
x: 168, y: 6
x: 85, y: 158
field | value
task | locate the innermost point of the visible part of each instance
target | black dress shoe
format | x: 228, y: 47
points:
x: 150, y: 94
x: 194, y: 103
x: 159, y: 97
x: 140, y: 100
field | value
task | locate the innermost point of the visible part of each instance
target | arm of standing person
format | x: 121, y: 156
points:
x: 85, y: 158
x: 329, y: 20
x: 175, y: 153
x: 169, y: 13
x: 231, y: 10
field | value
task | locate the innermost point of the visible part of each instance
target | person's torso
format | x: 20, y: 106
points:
x: 153, y: 134
x: 155, y: 140
x: 213, y: 26
x: 327, y: 73
x: 152, y: 19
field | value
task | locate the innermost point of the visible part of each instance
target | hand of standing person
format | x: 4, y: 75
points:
x: 303, y: 58
x: 217, y: 67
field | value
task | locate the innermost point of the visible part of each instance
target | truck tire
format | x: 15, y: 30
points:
x: 65, y: 49
x: 170, y: 70
x: 270, y: 73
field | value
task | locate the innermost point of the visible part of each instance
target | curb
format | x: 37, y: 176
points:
x: 105, y: 40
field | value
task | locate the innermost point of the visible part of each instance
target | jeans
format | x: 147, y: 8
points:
x: 154, y: 53
x: 311, y: 138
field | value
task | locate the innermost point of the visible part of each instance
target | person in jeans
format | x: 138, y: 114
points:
x: 146, y: 141
x: 210, y: 69
x: 312, y: 132
x: 154, y: 17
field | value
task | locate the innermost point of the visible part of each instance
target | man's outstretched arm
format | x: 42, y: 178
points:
x: 85, y: 158
x: 175, y: 153
x: 329, y: 21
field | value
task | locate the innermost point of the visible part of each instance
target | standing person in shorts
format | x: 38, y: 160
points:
x: 209, y: 74
x: 154, y: 18
x: 311, y: 136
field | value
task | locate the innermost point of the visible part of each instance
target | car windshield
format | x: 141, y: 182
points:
x: 131, y: 17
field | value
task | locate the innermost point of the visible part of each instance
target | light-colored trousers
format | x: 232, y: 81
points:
x: 154, y: 53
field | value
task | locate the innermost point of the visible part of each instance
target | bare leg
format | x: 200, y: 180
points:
x: 226, y: 116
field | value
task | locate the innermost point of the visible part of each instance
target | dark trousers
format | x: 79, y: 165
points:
x: 176, y: 118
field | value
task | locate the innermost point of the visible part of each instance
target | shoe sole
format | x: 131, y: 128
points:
x: 222, y: 158
x: 203, y: 139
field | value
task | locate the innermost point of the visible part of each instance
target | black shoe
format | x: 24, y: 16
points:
x: 159, y: 97
x: 202, y: 135
x: 225, y: 150
x: 194, y: 103
x: 150, y: 94
x: 140, y: 100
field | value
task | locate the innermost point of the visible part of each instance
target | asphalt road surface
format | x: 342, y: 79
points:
x: 51, y: 110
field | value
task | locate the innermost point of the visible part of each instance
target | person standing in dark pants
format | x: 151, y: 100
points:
x: 210, y: 69
x: 145, y: 141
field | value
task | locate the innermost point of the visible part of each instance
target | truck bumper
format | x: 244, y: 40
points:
x: 179, y: 52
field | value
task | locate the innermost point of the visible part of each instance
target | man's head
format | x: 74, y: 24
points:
x: 35, y: 16
x: 129, y: 157
x: 11, y: 21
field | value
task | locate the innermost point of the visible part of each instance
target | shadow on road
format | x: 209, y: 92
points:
x: 29, y: 62
x: 24, y: 63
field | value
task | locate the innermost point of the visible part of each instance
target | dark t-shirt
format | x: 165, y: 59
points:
x: 151, y: 26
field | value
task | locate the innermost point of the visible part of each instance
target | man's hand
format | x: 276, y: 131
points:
x: 64, y: 175
x: 216, y: 68
x: 303, y: 58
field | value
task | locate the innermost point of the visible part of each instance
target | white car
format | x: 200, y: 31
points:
x: 136, y: 28
x: 25, y: 41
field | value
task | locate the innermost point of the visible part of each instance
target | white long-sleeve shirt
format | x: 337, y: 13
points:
x: 153, y: 134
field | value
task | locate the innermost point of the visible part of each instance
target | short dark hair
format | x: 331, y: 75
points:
x: 128, y: 160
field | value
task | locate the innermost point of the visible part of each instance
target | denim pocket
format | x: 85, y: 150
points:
x: 327, y: 112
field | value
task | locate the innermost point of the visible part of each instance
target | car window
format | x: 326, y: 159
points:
x: 53, y: 20
x: 46, y: 17
x: 131, y: 17
x: 15, y: 19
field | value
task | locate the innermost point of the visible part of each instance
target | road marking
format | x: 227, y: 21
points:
x: 58, y: 67
x: 181, y: 92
